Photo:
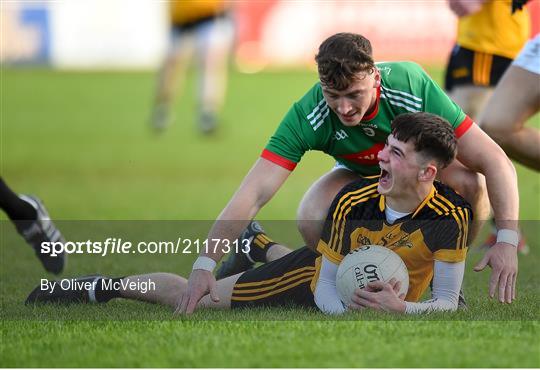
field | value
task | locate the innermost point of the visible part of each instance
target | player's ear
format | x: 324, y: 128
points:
x: 377, y: 78
x: 428, y: 173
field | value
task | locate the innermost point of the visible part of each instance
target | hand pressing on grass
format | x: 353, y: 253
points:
x: 200, y: 283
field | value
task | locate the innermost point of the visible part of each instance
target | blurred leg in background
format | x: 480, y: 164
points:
x: 206, y: 30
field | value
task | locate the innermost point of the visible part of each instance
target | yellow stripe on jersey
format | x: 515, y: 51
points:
x: 437, y: 207
x: 440, y: 205
x: 430, y: 205
x: 425, y: 201
x: 329, y: 253
x: 451, y: 210
x: 346, y: 202
x: 318, y: 264
x: 343, y: 221
x: 446, y: 201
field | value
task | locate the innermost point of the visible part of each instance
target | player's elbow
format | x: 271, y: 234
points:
x: 501, y: 160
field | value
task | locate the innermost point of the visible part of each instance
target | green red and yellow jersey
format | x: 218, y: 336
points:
x: 437, y: 230
x: 310, y: 124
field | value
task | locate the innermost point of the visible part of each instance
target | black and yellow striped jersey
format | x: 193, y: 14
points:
x: 436, y: 230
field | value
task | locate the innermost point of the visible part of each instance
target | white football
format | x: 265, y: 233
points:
x: 366, y: 264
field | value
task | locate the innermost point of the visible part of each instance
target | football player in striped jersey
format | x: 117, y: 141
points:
x: 404, y: 209
x: 358, y: 99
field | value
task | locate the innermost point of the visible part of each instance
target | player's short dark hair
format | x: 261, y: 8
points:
x: 341, y: 57
x: 433, y: 136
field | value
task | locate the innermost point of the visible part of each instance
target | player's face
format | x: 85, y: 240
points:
x: 399, y: 168
x: 351, y: 104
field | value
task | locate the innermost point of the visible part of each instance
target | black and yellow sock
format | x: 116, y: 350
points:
x: 259, y: 246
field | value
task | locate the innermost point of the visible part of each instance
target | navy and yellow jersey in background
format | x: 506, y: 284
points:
x: 437, y: 230
x: 185, y: 12
x: 494, y: 29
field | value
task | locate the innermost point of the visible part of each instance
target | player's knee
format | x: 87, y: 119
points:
x: 310, y: 219
x: 311, y: 231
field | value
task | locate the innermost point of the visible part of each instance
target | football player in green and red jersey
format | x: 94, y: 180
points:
x: 347, y: 115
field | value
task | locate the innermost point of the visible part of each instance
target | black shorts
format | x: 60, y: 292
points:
x: 468, y: 67
x: 283, y: 282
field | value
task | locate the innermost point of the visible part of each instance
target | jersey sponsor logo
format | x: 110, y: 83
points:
x: 318, y: 114
x: 395, y: 238
x: 340, y: 135
x: 386, y: 70
x: 402, y: 99
x: 365, y: 157
x: 369, y: 131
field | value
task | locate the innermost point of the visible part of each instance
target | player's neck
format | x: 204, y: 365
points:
x: 408, y: 202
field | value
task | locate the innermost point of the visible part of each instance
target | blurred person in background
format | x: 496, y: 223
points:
x: 515, y: 99
x: 33, y: 223
x: 206, y: 29
x: 490, y: 34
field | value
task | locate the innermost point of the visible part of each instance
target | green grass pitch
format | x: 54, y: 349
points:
x: 81, y: 142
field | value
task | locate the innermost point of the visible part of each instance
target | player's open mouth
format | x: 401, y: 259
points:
x: 385, y: 178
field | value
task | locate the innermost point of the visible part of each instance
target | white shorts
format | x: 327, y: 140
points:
x: 529, y: 56
x: 340, y: 166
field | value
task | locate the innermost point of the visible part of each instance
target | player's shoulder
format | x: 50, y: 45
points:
x: 312, y: 99
x: 365, y: 187
x: 397, y: 69
x: 446, y: 201
x: 401, y: 80
x: 313, y: 109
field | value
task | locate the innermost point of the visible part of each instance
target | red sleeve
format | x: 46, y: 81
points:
x: 463, y: 126
x: 279, y: 160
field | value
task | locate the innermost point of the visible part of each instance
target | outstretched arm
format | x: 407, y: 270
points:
x: 480, y: 153
x: 258, y: 187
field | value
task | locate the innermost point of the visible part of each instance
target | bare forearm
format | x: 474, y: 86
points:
x: 503, y: 192
x: 230, y: 224
x: 257, y: 188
